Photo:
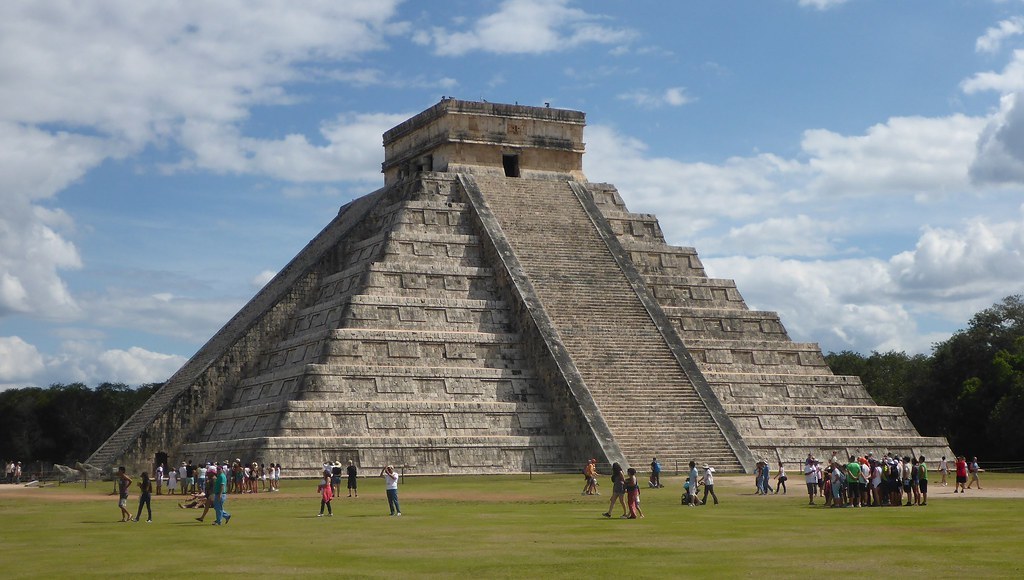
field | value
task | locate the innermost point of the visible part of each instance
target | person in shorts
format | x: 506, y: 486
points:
x: 124, y: 483
x: 961, y: 475
x: 922, y: 479
x: 351, y: 473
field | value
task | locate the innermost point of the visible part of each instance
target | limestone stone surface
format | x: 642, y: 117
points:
x: 491, y: 311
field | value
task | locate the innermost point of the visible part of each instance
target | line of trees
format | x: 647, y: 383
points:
x: 64, y: 423
x: 970, y: 389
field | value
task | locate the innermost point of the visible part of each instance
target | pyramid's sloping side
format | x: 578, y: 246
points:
x: 181, y: 407
x: 421, y: 362
x: 781, y: 394
x: 402, y: 344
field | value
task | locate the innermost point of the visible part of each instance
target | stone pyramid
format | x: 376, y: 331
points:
x: 489, y: 310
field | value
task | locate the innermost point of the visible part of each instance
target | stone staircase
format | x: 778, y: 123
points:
x: 644, y: 396
x: 782, y: 396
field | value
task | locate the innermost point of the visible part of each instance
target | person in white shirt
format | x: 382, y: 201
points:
x: 943, y: 469
x: 811, y: 478
x: 709, y: 483
x: 391, y: 487
x: 160, y: 479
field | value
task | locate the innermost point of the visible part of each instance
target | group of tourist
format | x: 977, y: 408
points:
x: 626, y: 489
x: 12, y: 474
x: 330, y: 485
x: 242, y: 477
x: 868, y: 481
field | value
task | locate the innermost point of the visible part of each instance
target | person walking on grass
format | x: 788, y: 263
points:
x: 391, y: 487
x: 618, y: 491
x: 943, y: 469
x: 780, y: 480
x: 145, y: 494
x: 124, y: 483
x: 220, y: 495
x: 326, y: 491
x: 973, y: 469
x: 211, y: 484
x: 709, y: 484
x: 633, y: 494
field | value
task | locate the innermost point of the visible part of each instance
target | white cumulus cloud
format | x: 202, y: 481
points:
x: 525, y: 27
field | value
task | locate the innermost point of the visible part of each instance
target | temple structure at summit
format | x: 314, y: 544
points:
x: 489, y: 310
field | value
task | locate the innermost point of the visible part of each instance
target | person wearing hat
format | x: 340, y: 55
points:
x: 336, y: 478
x: 708, y: 479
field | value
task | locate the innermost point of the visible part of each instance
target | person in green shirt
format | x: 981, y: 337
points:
x: 922, y: 476
x: 853, y: 481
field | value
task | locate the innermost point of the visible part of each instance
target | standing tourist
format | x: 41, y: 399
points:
x: 391, y: 487
x: 973, y: 469
x: 632, y: 494
x: 326, y: 491
x: 220, y: 493
x: 9, y: 472
x: 172, y: 481
x: 124, y: 483
x: 709, y: 484
x: 811, y: 478
x: 590, y: 474
x: 656, y: 473
x: 922, y: 478
x: 160, y: 479
x: 853, y: 482
x: 145, y: 493
x: 961, y: 475
x: 17, y: 473
x: 692, y: 480
x: 618, y: 491
x: 943, y: 469
x: 766, y: 474
x: 336, y: 478
x: 351, y: 472
x: 183, y: 478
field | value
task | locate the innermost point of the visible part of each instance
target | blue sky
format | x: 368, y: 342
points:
x: 857, y: 165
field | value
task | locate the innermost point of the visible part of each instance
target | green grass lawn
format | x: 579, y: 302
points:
x: 512, y: 526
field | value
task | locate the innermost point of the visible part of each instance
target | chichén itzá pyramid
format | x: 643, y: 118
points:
x: 489, y: 310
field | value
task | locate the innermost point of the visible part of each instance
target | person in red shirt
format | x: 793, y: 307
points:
x: 961, y: 474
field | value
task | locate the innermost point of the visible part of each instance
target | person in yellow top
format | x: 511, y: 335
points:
x: 590, y: 473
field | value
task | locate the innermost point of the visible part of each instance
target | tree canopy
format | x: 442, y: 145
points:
x: 970, y: 390
x: 64, y: 423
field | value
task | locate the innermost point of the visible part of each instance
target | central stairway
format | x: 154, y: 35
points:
x: 643, y: 394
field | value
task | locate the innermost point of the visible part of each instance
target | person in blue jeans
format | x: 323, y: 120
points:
x: 220, y: 493
x: 391, y: 486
